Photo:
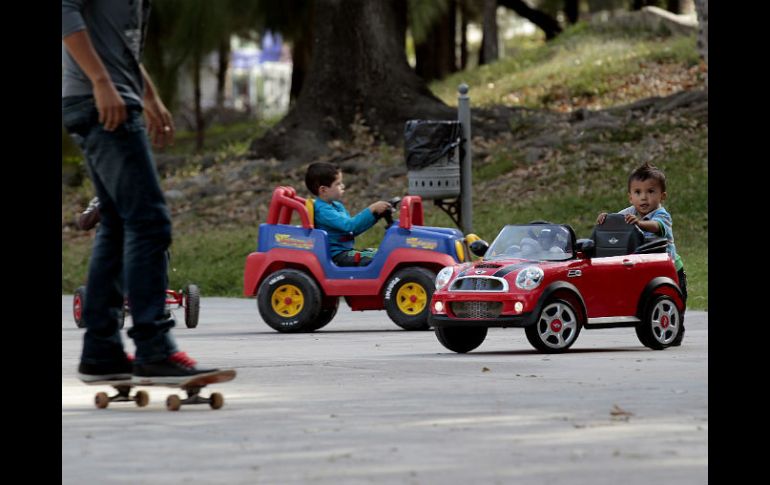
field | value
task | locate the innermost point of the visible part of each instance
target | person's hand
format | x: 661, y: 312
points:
x: 379, y: 207
x: 111, y: 107
x: 632, y: 219
x: 600, y: 219
x: 160, y: 125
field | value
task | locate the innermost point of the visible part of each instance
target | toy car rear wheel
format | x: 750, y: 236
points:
x: 192, y: 302
x: 289, y: 301
x: 661, y: 325
x: 78, y: 300
x: 556, y: 329
x: 327, y: 313
x: 407, y: 297
x: 461, y: 339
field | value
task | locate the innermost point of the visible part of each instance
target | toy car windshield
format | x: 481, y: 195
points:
x: 542, y: 242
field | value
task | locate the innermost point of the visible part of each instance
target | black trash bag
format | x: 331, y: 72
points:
x: 429, y: 141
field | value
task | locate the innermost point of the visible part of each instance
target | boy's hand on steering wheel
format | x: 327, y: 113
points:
x: 379, y: 207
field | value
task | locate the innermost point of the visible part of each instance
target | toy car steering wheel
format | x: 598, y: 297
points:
x: 388, y: 214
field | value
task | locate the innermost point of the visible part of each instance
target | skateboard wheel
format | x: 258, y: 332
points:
x: 173, y: 403
x: 217, y: 401
x: 102, y: 400
x: 142, y: 398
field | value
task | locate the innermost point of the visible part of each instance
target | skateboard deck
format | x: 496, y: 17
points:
x: 191, y: 386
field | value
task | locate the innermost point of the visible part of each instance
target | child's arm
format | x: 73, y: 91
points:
x: 659, y: 224
x: 648, y: 226
x: 327, y: 216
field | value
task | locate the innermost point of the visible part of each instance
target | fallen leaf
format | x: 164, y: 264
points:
x: 619, y: 412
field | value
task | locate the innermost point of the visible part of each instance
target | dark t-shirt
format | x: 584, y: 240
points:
x: 117, y: 30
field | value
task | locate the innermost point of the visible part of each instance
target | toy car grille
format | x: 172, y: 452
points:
x: 476, y: 309
x: 477, y: 284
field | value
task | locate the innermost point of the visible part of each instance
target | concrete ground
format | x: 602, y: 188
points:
x: 362, y: 401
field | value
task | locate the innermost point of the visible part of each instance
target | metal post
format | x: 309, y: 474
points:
x: 464, y: 117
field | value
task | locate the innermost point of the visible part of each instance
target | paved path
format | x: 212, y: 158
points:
x: 363, y: 402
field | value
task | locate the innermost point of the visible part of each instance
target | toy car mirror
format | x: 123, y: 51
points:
x: 479, y: 247
x: 585, y: 246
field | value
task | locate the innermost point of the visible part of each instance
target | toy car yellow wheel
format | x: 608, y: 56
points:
x: 289, y: 300
x: 407, y: 297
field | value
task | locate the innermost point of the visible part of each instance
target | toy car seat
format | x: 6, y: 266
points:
x: 310, y: 206
x: 615, y: 237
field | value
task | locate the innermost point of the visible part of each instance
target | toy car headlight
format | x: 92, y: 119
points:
x: 443, y: 277
x: 529, y: 278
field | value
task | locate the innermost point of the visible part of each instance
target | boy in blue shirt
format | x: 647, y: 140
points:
x: 324, y: 180
x: 646, y: 192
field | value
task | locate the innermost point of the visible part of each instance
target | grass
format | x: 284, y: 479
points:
x: 231, y: 139
x: 583, y: 62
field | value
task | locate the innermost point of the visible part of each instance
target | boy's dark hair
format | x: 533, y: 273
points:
x: 318, y: 174
x: 648, y: 171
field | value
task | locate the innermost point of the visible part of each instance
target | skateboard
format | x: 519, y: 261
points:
x: 192, y: 386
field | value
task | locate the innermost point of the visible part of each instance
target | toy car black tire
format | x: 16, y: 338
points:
x: 327, y: 313
x: 649, y: 332
x: 192, y: 300
x: 305, y: 317
x: 416, y: 276
x: 535, y: 331
x: 461, y: 339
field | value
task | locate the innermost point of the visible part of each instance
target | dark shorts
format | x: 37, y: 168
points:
x: 354, y: 257
x: 683, y: 283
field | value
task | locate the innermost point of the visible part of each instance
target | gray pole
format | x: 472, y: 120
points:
x: 466, y: 201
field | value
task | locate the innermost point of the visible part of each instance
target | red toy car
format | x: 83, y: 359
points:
x: 298, y: 286
x: 537, y: 276
x: 188, y: 297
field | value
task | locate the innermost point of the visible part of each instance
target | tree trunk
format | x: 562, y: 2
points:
x: 572, y: 11
x: 450, y: 57
x: 702, y: 11
x: 199, y: 122
x: 435, y: 55
x: 545, y: 22
x: 463, y: 36
x: 489, y: 52
x: 223, y: 58
x: 301, y: 53
x: 358, y: 67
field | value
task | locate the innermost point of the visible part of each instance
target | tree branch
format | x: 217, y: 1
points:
x: 548, y: 24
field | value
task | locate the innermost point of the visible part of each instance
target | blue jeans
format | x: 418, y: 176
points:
x: 129, y: 253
